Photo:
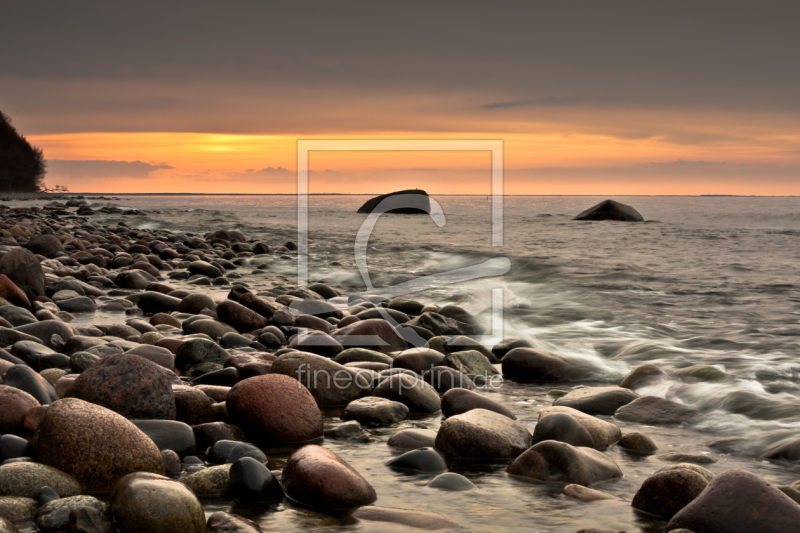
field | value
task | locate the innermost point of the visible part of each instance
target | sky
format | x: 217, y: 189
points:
x: 601, y: 97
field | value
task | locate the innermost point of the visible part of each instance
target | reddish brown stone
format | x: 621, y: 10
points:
x: 319, y: 478
x: 458, y: 401
x: 274, y: 408
x: 93, y: 444
x: 193, y: 406
x: 127, y: 384
x: 15, y: 405
x: 12, y: 293
x: 194, y: 303
x: 239, y: 316
x: 170, y: 344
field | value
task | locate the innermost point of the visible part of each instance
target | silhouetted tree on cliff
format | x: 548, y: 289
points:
x: 22, y: 166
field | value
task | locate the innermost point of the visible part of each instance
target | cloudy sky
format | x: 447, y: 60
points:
x: 601, y: 97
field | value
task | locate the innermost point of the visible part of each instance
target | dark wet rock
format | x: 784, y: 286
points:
x: 45, y: 329
x: 597, y: 400
x: 16, y: 404
x: 443, y: 379
x: 160, y: 356
x: 192, y: 406
x: 38, y: 356
x: 438, y: 324
x: 386, y: 337
x: 500, y: 349
x: 406, y: 305
x: 129, y: 385
x: 353, y: 355
x: 316, y: 342
x: 221, y: 522
x: 26, y: 379
x: 10, y: 336
x: 196, y: 302
x: 642, y: 375
x: 274, y: 408
x: 560, y: 462
x: 402, y: 517
x: 230, y: 451
x: 417, y: 395
x: 134, y: 279
x: 225, y: 376
x: 263, y: 306
x: 329, y: 382
x: 235, y: 340
x: 208, y: 326
x: 381, y: 312
x: 81, y: 361
x: 54, y: 516
x: 376, y: 412
x: 156, y: 504
x: 81, y: 304
x: 17, y: 509
x: 12, y: 447
x: 470, y: 362
x: 450, y: 481
x: 82, y: 343
x: 418, y: 360
x: 25, y: 480
x: 169, y: 435
x: 482, y: 434
x: 251, y: 481
x: 425, y: 460
x: 320, y: 479
x: 603, y: 433
x: 459, y: 401
x: 585, y: 494
x: 204, y: 268
x: 172, y: 462
x: 17, y: 316
x: 95, y: 445
x: 697, y: 373
x: 155, y: 302
x: 89, y: 520
x: 210, y: 433
x: 529, y: 364
x: 196, y: 351
x: 239, y: 316
x: 611, y: 210
x: 652, y: 410
x: 412, y: 439
x: 47, y: 495
x: 163, y: 318
x: 668, y: 491
x: 637, y: 443
x: 211, y: 482
x: 318, y: 308
x: 22, y: 268
x: 563, y: 428
x: 407, y: 202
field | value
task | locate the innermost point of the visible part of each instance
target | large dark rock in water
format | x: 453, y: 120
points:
x: 406, y: 204
x: 737, y: 501
x: 611, y: 210
x: 559, y: 462
x: 671, y: 489
x: 320, y: 479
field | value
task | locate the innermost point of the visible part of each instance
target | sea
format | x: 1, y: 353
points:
x: 703, y: 281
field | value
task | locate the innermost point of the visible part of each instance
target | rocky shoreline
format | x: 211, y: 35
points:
x: 131, y: 426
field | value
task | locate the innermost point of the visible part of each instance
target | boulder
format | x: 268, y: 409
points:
x: 417, y: 395
x: 329, y: 382
x: 11, y: 293
x: 25, y: 480
x: 274, y: 408
x: 597, y: 400
x: 459, y: 401
x: 638, y: 443
x: 500, y: 349
x: 17, y: 509
x: 194, y: 303
x: 127, y: 384
x: 230, y: 451
x: 412, y: 439
x: 529, y: 364
x: 196, y: 351
x: 316, y: 342
x: 320, y: 479
x: 407, y: 202
x: 24, y: 378
x: 169, y: 435
x: 652, y: 410
x: 470, y: 362
x: 443, y: 378
x: 425, y: 460
x: 439, y: 324
x: 559, y: 462
x: 562, y: 427
x: 418, y: 360
x: 373, y: 334
x: 642, y: 375
x: 156, y: 504
x: 375, y: 412
x: 482, y: 434
x: 54, y: 515
x: 24, y: 270
x: 93, y: 444
x: 611, y: 210
x: 668, y: 491
x: 603, y: 433
x: 16, y: 404
x: 738, y: 501
x: 239, y: 316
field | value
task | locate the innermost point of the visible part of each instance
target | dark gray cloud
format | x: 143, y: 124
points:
x: 517, y: 57
x: 98, y: 168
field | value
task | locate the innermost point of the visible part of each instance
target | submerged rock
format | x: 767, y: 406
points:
x: 560, y: 462
x: 603, y: 433
x: 403, y: 517
x: 412, y: 439
x: 652, y: 410
x: 420, y: 460
x: 451, y: 481
x: 611, y: 210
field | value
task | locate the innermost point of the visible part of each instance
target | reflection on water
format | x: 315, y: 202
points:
x: 709, y: 281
